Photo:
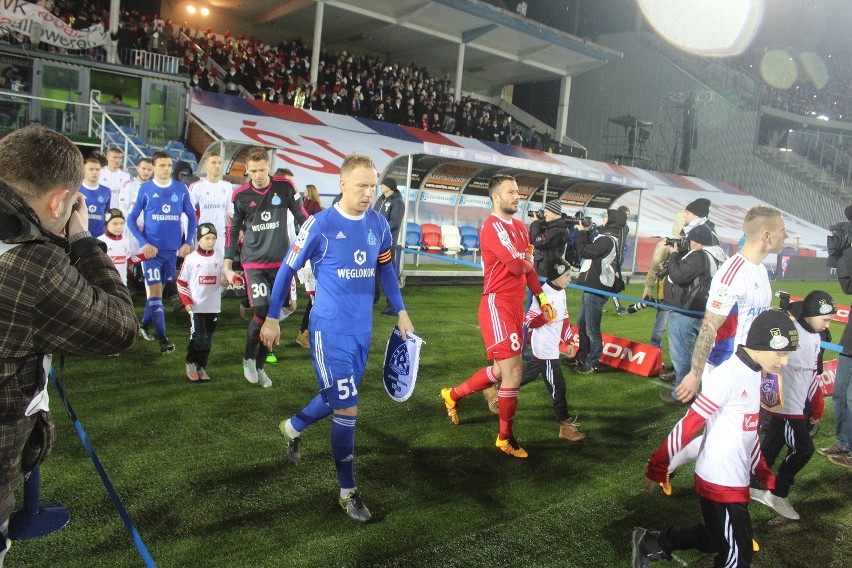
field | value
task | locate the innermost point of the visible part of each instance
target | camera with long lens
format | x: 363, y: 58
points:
x: 682, y: 243
x: 639, y: 306
x: 538, y: 214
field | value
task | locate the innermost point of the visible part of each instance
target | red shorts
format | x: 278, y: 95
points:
x: 502, y: 324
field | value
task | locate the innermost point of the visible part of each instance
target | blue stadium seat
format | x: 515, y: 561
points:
x: 188, y: 156
x: 175, y: 145
x: 129, y: 130
x: 413, y: 236
x: 469, y: 240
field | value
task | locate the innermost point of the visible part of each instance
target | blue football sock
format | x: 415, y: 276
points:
x: 158, y: 316
x: 343, y: 448
x: 146, y: 316
x: 315, y: 411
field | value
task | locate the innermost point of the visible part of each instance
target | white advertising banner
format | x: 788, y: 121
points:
x: 19, y: 16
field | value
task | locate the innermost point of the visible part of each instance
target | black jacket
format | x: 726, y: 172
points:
x: 549, y: 240
x: 393, y: 209
x: 594, y: 251
x: 844, y: 277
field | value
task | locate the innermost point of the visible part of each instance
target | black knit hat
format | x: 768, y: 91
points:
x: 391, y: 183
x: 701, y: 234
x: 111, y: 214
x: 818, y: 303
x: 554, y: 207
x: 205, y: 229
x: 773, y: 330
x: 557, y: 269
x: 699, y: 207
x: 848, y: 212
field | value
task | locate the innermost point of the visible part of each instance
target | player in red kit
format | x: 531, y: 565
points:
x: 508, y: 271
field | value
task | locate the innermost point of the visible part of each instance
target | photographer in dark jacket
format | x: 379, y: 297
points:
x: 549, y: 235
x: 601, y: 269
x: 840, y: 452
x: 689, y: 272
x: 58, y: 296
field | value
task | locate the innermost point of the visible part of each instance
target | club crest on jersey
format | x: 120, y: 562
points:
x: 174, y: 198
x: 166, y: 207
x: 504, y: 238
x: 400, y: 362
x: 371, y: 239
x: 265, y: 215
x: 276, y: 200
x: 93, y: 208
x: 360, y: 257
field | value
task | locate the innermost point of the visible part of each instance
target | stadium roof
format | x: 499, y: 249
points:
x: 501, y: 47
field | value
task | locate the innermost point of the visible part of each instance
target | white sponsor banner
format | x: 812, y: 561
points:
x: 444, y: 198
x: 19, y: 16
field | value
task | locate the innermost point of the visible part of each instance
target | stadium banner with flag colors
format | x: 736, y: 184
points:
x: 313, y: 145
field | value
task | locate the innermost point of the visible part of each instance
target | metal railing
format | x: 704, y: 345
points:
x: 98, y: 121
x: 149, y: 60
x: 732, y: 83
x: 828, y: 151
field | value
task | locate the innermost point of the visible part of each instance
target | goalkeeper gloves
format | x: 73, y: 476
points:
x: 546, y: 308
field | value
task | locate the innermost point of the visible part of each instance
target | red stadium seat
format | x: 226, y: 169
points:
x: 432, y: 238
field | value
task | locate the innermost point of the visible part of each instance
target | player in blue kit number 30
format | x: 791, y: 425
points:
x: 346, y: 244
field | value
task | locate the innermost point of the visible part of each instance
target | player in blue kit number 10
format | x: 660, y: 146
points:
x: 346, y: 244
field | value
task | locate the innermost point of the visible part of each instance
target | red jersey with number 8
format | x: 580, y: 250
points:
x: 502, y: 242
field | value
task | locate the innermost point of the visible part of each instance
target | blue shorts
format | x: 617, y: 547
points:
x: 339, y: 361
x: 161, y: 268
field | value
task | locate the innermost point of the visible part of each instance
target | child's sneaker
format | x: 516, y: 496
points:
x: 202, y: 375
x: 166, y: 346
x: 263, y: 379
x: 250, y: 371
x: 192, y: 372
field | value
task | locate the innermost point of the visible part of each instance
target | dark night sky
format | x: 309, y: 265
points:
x: 823, y: 26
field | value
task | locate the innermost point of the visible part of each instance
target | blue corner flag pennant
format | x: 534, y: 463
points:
x: 402, y: 359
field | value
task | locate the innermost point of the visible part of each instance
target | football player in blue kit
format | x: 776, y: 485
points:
x: 162, y: 200
x: 346, y: 244
x: 260, y: 211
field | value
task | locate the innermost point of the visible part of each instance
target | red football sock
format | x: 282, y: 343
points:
x: 508, y: 405
x: 481, y: 380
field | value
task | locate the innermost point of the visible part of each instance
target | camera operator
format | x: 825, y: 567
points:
x: 840, y: 452
x: 689, y: 270
x: 697, y: 213
x: 653, y: 285
x: 549, y: 235
x: 57, y: 295
x: 601, y: 269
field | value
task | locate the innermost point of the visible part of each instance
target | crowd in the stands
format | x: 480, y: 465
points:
x: 361, y: 86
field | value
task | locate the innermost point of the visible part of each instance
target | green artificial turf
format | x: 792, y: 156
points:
x: 201, y: 468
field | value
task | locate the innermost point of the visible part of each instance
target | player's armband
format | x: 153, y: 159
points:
x: 385, y: 257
